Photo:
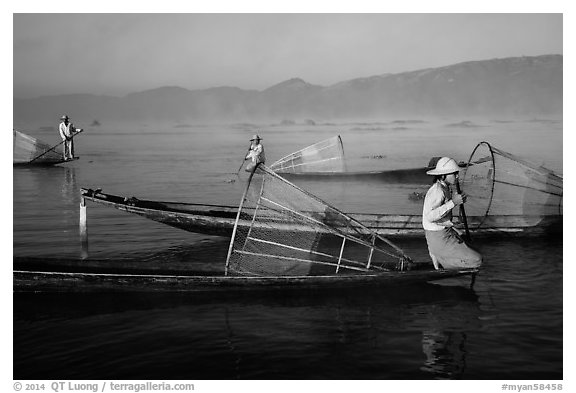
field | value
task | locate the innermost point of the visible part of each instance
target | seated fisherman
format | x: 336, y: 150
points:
x: 256, y: 153
x: 446, y: 246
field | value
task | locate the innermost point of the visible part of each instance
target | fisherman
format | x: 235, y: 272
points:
x: 67, y: 131
x: 445, y: 245
x: 256, y: 153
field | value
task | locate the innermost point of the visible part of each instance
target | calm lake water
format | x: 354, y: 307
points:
x: 509, y: 326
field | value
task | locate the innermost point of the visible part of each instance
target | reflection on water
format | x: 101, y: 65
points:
x: 344, y: 334
x: 445, y: 354
x: 69, y: 186
x: 444, y: 335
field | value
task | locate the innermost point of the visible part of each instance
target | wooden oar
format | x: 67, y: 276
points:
x: 463, y: 212
x: 53, y: 147
x: 244, y: 159
x: 241, y: 165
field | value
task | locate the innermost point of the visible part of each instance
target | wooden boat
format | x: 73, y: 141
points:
x: 39, y: 281
x: 394, y: 176
x: 219, y: 220
x: 44, y: 163
x: 29, y: 151
x: 325, y: 161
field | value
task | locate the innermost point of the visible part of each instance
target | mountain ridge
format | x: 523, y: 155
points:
x: 514, y: 86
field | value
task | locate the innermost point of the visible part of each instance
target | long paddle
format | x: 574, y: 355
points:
x: 55, y: 146
x: 463, y: 212
x: 241, y: 165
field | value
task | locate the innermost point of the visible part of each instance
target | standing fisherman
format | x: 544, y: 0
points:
x: 67, y: 131
x: 256, y: 153
x: 446, y: 246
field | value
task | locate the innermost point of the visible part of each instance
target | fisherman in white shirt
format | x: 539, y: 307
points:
x: 446, y: 246
x: 67, y: 131
x: 256, y: 153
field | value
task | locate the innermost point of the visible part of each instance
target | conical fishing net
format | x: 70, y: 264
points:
x: 294, y: 233
x: 324, y: 156
x: 500, y: 186
x: 27, y: 148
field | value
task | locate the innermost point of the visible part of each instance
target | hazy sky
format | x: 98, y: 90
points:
x: 116, y: 54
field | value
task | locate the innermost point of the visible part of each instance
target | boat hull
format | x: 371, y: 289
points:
x: 219, y: 220
x: 397, y: 176
x: 38, y: 281
x: 43, y: 163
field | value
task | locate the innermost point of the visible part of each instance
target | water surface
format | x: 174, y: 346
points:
x: 509, y: 326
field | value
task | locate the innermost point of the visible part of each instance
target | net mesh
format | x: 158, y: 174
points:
x: 27, y: 148
x: 500, y: 184
x: 324, y: 156
x: 293, y: 233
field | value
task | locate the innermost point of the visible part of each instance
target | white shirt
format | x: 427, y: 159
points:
x: 438, y: 205
x: 66, y: 130
x: 257, y: 154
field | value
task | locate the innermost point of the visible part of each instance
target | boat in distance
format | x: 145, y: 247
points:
x: 218, y: 220
x: 29, y: 151
x: 325, y: 161
x: 393, y: 176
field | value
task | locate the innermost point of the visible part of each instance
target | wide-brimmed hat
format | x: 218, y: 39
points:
x: 64, y: 117
x: 432, y: 163
x: 256, y: 137
x: 444, y: 166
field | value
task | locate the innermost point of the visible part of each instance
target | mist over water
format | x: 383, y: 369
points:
x: 508, y: 326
